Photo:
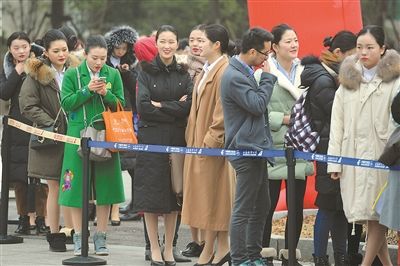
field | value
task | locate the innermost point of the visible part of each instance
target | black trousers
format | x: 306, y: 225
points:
x: 274, y: 190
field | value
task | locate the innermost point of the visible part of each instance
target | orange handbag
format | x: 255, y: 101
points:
x: 119, y: 126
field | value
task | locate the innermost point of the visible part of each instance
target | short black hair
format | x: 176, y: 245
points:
x: 95, y: 41
x: 255, y: 38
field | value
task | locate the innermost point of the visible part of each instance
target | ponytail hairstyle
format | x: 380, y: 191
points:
x: 94, y: 42
x: 344, y: 40
x: 51, y: 36
x: 218, y: 33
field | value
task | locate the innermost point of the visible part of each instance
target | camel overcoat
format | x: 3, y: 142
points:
x: 360, y: 127
x: 209, y: 182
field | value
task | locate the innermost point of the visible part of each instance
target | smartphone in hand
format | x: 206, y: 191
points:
x: 102, y: 79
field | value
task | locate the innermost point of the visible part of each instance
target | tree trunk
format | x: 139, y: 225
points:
x: 57, y: 13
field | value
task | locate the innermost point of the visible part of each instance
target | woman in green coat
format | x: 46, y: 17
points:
x: 90, y: 94
x: 286, y: 67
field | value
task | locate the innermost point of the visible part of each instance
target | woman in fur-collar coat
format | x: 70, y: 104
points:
x: 120, y: 55
x: 287, y: 68
x: 11, y: 79
x: 40, y: 102
x: 360, y: 127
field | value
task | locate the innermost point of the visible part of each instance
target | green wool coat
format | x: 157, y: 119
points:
x: 108, y: 186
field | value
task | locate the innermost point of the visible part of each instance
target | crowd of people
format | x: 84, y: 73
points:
x: 207, y: 92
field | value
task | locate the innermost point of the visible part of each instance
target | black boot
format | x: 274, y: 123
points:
x: 57, y: 242
x: 321, y: 261
x: 41, y: 228
x: 23, y: 225
x: 354, y: 259
x: 92, y: 211
x: 340, y: 259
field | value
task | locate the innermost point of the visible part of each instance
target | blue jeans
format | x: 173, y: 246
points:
x: 334, y: 222
x: 250, y: 209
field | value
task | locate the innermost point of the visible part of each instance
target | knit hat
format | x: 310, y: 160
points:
x: 145, y: 49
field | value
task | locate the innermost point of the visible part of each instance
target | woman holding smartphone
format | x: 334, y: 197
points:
x: 88, y: 90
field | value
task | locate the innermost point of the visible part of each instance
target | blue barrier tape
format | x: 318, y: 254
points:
x: 186, y: 150
x: 241, y: 153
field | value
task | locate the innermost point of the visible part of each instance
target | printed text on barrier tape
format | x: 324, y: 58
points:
x: 44, y: 133
x: 240, y: 153
x: 203, y: 151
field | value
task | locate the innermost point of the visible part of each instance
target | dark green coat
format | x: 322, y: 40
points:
x: 39, y: 102
x: 107, y: 175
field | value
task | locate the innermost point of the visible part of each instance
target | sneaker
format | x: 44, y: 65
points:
x: 268, y: 261
x: 100, y: 245
x: 77, y: 244
x: 247, y: 263
x: 259, y: 262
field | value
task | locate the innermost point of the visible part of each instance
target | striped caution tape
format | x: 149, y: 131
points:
x: 43, y: 133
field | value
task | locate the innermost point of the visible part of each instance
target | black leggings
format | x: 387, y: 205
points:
x: 274, y: 190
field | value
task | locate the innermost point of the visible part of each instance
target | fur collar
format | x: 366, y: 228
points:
x: 39, y: 68
x: 350, y: 74
x: 8, y: 64
x: 157, y: 66
x: 284, y: 82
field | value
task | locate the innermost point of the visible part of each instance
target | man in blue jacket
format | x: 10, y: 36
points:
x: 244, y: 104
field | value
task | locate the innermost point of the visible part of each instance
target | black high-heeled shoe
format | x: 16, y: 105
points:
x: 166, y: 262
x: 156, y: 263
x: 205, y: 264
x: 226, y: 258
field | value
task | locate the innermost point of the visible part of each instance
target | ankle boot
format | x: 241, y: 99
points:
x: 340, y: 259
x: 321, y: 261
x: 56, y: 242
x: 41, y: 228
x: 23, y: 225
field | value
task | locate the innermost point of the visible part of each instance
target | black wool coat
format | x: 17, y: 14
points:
x: 321, y: 93
x: 163, y: 126
x: 10, y: 86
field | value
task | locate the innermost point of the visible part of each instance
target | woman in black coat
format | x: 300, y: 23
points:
x: 163, y: 104
x: 320, y: 76
x: 11, y: 80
